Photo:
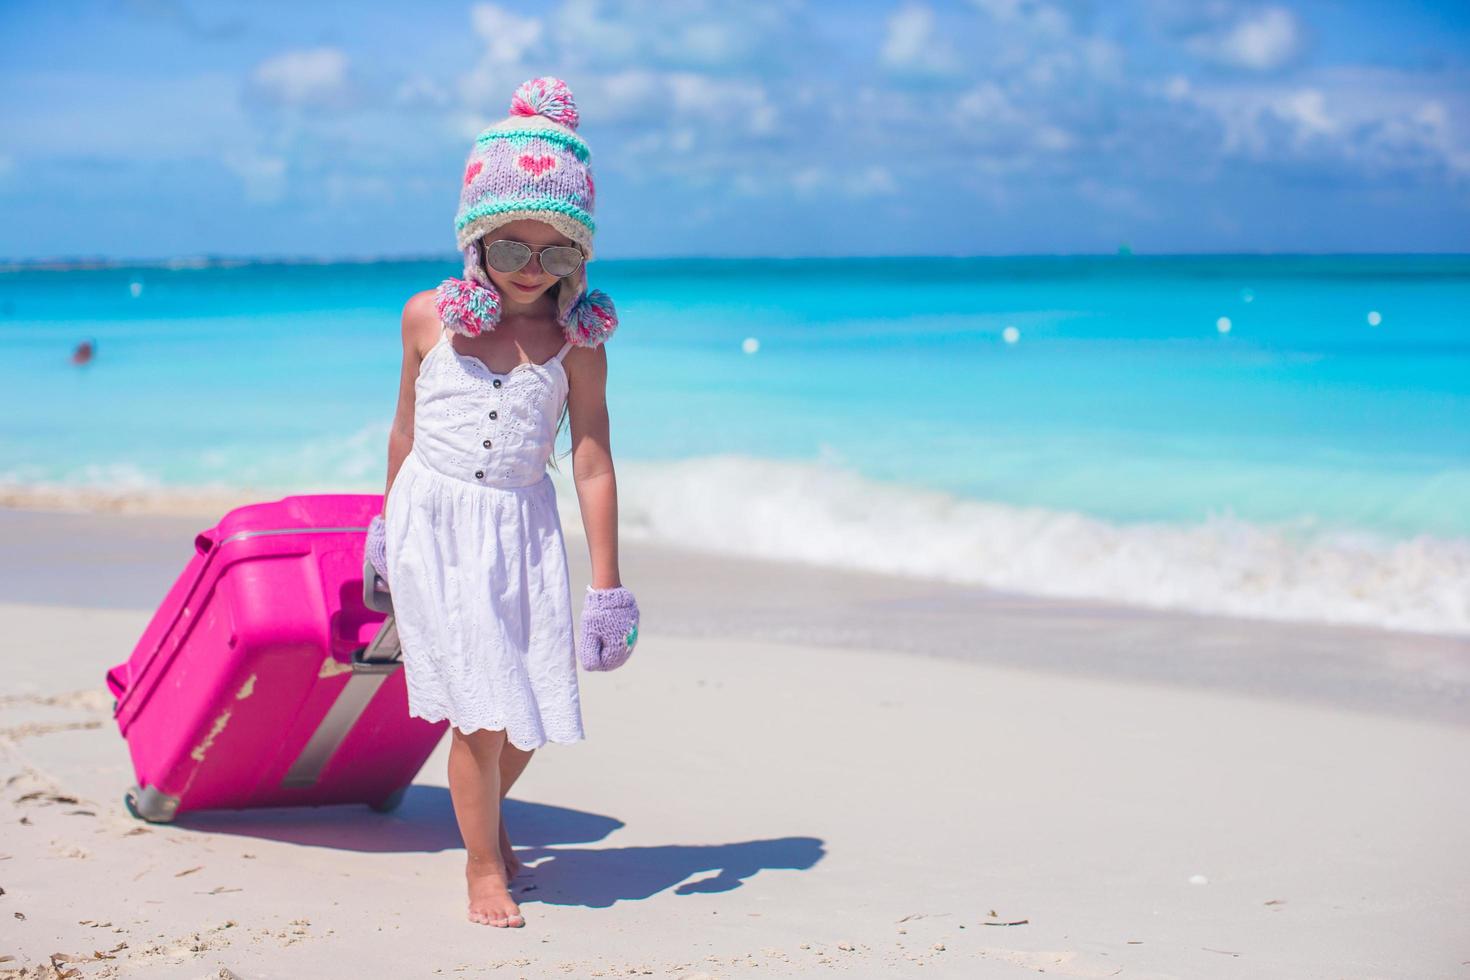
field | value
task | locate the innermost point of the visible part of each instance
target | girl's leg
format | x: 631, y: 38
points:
x: 512, y: 763
x: 474, y: 786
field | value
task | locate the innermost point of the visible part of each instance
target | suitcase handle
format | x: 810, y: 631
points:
x: 375, y: 593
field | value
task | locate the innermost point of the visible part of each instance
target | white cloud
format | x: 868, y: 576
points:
x: 910, y: 30
x: 507, y: 36
x: 685, y: 104
x: 626, y: 95
x: 1040, y: 18
x: 996, y: 122
x: 1053, y: 139
x: 870, y: 181
x: 584, y: 24
x: 1367, y: 121
x: 1263, y: 40
x: 1431, y: 115
x: 263, y: 177
x: 1088, y: 59
x: 1039, y: 45
x: 685, y: 98
x: 486, y: 88
x: 1267, y: 122
x: 308, y: 77
x: 692, y: 34
x: 1419, y: 130
x: 709, y: 43
x: 911, y: 44
x: 986, y: 105
x: 1306, y: 109
x: 701, y: 96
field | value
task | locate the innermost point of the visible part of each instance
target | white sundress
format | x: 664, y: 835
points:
x: 477, y: 563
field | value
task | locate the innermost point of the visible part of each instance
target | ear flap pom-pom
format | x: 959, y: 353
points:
x: 467, y: 307
x: 592, y: 320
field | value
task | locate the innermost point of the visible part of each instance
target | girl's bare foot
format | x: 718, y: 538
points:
x: 512, y: 863
x: 490, y: 901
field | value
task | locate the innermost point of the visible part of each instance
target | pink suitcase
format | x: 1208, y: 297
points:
x: 270, y: 675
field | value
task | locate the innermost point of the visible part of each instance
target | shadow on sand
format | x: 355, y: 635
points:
x: 556, y: 873
x: 597, y: 878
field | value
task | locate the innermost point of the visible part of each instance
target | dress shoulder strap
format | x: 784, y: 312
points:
x: 445, y: 337
x: 561, y: 354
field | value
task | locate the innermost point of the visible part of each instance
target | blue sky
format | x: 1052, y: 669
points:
x: 160, y: 128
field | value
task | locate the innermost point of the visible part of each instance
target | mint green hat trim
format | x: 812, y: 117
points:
x: 550, y: 135
x: 525, y: 204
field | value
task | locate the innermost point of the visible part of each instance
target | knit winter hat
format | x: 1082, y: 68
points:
x: 531, y: 164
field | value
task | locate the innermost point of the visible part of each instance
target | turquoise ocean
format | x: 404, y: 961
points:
x: 1270, y: 436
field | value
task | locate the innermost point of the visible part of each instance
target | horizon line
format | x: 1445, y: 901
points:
x: 209, y: 260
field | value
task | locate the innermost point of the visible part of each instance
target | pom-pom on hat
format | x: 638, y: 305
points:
x: 532, y: 164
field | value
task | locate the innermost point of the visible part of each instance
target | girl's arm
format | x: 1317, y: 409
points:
x: 592, y: 465
x: 420, y: 331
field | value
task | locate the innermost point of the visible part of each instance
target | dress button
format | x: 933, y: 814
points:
x: 479, y: 474
x: 494, y: 415
x: 486, y: 443
x: 496, y: 382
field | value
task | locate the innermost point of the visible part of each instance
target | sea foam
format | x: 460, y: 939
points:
x: 821, y: 512
x: 823, y: 515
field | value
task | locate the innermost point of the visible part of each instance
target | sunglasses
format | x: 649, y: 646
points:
x: 507, y: 256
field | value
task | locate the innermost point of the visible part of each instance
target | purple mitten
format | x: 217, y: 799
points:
x: 609, y: 628
x: 376, y: 547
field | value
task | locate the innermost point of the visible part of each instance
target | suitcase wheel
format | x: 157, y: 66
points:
x: 390, y: 804
x: 149, y: 804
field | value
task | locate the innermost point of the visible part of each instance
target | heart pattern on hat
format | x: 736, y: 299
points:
x: 535, y: 165
x: 473, y: 170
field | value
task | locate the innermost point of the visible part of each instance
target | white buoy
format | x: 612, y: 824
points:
x: 1010, y: 335
x: 1198, y: 880
x: 136, y: 288
x: 1247, y: 296
x: 1374, y: 318
x: 1223, y: 324
x: 750, y: 345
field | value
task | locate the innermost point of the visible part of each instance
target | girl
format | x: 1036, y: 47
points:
x: 470, y: 540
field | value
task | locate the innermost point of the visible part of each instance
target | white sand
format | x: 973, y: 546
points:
x: 746, y: 807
